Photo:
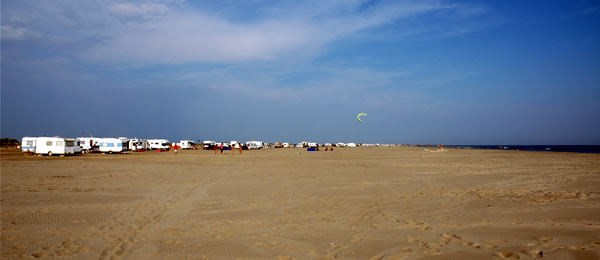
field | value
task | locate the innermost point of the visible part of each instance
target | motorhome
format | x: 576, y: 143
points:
x: 112, y: 145
x: 285, y: 145
x: 53, y: 145
x: 28, y: 144
x: 254, y: 145
x: 350, y: 145
x: 186, y: 144
x: 158, y: 144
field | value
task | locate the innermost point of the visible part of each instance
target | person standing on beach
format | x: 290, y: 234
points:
x: 221, y: 148
x: 175, y: 148
x: 234, y: 147
x: 241, y: 147
x: 215, y: 147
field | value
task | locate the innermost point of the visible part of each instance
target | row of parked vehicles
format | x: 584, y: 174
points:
x: 62, y: 146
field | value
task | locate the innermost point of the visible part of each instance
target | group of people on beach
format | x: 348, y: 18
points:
x: 236, y: 146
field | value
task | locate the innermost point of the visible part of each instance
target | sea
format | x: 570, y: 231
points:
x: 536, y: 148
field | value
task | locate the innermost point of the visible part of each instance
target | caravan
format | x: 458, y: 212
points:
x: 28, y: 144
x: 158, y: 144
x: 112, y: 145
x: 186, y: 144
x: 254, y: 145
x: 54, y: 145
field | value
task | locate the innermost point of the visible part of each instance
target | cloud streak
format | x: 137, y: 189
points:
x: 286, y: 32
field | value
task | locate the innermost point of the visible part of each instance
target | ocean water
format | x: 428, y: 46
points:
x: 537, y: 148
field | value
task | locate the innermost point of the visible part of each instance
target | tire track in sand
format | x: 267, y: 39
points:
x: 125, y: 229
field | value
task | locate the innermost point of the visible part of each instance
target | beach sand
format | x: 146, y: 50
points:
x: 352, y: 203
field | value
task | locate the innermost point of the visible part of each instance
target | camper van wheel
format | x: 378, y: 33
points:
x: 49, y: 153
x: 110, y: 152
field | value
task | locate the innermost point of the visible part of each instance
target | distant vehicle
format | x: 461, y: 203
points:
x: 72, y: 142
x: 87, y: 143
x: 186, y: 144
x: 340, y: 144
x: 158, y: 144
x: 208, y: 145
x: 28, y: 144
x: 53, y: 145
x: 285, y: 145
x: 350, y: 145
x: 254, y: 145
x: 278, y: 145
x: 311, y: 144
x: 112, y: 145
x: 136, y: 144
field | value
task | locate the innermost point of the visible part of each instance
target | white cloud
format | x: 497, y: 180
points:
x: 10, y: 32
x: 186, y: 36
x: 142, y: 9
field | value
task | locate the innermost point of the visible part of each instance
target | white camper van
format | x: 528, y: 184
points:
x: 254, y: 145
x: 112, y: 145
x: 28, y: 144
x: 54, y: 145
x: 158, y: 144
x: 186, y: 144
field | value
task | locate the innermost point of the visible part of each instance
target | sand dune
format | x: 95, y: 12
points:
x: 352, y: 203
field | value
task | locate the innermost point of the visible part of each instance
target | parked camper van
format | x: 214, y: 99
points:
x: 28, y: 144
x: 186, y: 144
x: 158, y: 144
x: 53, y: 145
x: 254, y: 145
x: 112, y: 145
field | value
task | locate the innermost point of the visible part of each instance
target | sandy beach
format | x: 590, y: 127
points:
x: 352, y: 203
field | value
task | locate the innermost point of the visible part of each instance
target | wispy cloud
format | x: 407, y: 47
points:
x: 140, y: 9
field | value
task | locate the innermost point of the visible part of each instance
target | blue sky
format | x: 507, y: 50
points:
x: 453, y: 72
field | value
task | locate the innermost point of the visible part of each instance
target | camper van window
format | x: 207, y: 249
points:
x: 29, y: 142
x: 60, y: 143
x: 110, y: 144
x: 48, y: 143
x: 119, y: 144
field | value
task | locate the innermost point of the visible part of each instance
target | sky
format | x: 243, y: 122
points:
x: 425, y: 72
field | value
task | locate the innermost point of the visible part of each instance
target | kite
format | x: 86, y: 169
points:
x: 359, y: 115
